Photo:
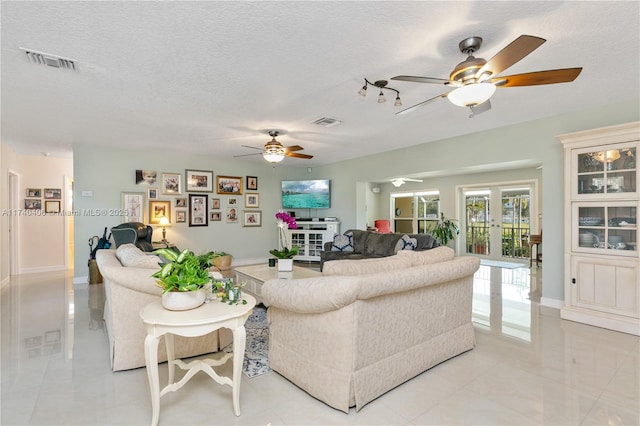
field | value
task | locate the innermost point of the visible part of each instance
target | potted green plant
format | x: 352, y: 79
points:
x: 183, y: 278
x: 444, y: 230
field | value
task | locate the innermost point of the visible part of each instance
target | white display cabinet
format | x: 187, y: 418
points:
x: 310, y: 238
x: 602, y: 280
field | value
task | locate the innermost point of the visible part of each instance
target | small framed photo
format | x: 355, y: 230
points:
x: 52, y: 194
x: 32, y: 204
x: 232, y: 215
x: 229, y: 185
x: 180, y: 202
x: 215, y: 203
x: 199, y: 180
x: 251, y: 218
x: 252, y: 200
x: 157, y: 210
x: 152, y: 193
x: 198, y: 210
x: 233, y: 201
x: 34, y: 192
x: 214, y: 216
x: 51, y: 206
x: 146, y: 177
x: 133, y: 207
x: 252, y: 183
x: 181, y: 216
x: 171, y: 184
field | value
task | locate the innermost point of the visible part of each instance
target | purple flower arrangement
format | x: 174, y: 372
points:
x: 287, y: 220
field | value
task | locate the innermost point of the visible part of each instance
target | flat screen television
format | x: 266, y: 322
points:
x: 306, y: 194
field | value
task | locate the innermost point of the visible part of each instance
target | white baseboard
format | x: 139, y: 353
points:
x: 551, y: 303
x: 43, y: 269
x: 81, y: 280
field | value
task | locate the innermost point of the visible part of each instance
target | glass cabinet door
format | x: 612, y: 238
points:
x: 607, y: 227
x: 608, y: 171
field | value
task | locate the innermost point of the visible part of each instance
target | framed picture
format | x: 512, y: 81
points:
x: 215, y: 203
x: 199, y: 180
x: 232, y: 215
x: 198, y: 210
x: 157, y: 210
x: 229, y: 185
x: 52, y: 206
x: 252, y: 183
x: 32, y: 204
x: 215, y: 216
x: 146, y: 177
x: 133, y: 207
x: 152, y: 193
x: 34, y: 193
x: 181, y: 202
x: 232, y: 201
x: 170, y: 184
x: 52, y: 194
x: 251, y: 200
x: 251, y: 218
x: 181, y: 216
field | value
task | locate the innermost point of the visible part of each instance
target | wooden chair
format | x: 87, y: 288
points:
x: 535, y: 240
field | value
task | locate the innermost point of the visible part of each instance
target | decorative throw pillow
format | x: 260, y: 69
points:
x: 131, y: 256
x: 406, y: 243
x: 343, y: 242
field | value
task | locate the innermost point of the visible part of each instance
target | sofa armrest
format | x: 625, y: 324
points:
x: 311, y: 295
x: 137, y: 279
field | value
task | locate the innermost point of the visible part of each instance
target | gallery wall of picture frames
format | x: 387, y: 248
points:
x: 52, y: 199
x: 187, y: 195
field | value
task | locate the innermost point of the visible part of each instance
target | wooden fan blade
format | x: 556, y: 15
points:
x: 296, y: 155
x: 293, y: 148
x: 252, y: 147
x: 565, y: 75
x: 411, y: 108
x: 246, y: 155
x: 514, y: 52
x: 416, y: 79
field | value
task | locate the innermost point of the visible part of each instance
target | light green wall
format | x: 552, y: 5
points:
x: 108, y: 172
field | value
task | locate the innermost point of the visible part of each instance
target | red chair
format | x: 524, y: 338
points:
x: 383, y: 226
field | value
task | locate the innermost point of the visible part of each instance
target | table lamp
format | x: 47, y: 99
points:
x: 164, y: 222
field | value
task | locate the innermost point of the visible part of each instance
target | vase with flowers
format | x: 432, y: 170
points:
x: 286, y: 252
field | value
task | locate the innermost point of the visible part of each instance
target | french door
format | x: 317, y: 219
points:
x: 497, y: 220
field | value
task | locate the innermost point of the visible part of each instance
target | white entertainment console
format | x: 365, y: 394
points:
x: 311, y: 236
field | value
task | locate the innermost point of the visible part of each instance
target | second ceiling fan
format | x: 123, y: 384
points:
x: 474, y: 80
x: 274, y: 151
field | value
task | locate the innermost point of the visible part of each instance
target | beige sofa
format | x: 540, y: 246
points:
x: 127, y: 290
x: 369, y: 325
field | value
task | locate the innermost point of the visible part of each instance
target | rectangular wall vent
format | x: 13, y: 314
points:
x: 327, y: 122
x: 51, y: 60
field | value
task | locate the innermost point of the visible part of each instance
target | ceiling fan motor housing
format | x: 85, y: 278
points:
x: 465, y: 71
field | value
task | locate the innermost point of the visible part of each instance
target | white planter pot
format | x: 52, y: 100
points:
x: 285, y: 265
x: 183, y: 300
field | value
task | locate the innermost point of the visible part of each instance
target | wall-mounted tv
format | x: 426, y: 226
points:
x: 306, y: 194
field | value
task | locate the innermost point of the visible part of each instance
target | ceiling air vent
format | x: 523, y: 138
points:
x: 50, y: 60
x: 327, y: 122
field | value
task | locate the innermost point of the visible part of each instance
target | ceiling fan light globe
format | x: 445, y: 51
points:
x: 471, y: 94
x: 273, y: 157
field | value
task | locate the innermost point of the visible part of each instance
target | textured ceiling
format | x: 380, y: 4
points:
x: 208, y: 77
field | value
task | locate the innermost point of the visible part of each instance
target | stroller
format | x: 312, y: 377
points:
x: 95, y: 277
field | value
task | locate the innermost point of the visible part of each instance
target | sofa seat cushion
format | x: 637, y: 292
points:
x: 131, y: 256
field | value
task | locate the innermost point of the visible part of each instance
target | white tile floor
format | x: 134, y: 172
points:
x: 529, y: 367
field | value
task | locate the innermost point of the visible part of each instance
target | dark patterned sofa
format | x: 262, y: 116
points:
x: 367, y: 244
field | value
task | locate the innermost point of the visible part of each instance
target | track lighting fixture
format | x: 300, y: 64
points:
x: 381, y: 84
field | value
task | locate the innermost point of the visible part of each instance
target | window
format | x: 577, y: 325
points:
x: 415, y: 212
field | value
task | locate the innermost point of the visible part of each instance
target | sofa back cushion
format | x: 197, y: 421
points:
x: 427, y: 257
x: 131, y: 256
x: 359, y: 239
x: 366, y: 266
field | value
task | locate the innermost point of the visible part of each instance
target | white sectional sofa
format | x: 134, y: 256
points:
x: 366, y: 326
x: 127, y: 290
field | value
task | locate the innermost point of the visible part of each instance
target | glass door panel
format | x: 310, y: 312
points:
x: 515, y: 225
x: 477, y: 220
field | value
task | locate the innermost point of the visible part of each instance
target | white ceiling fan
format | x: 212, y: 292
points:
x: 398, y: 182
